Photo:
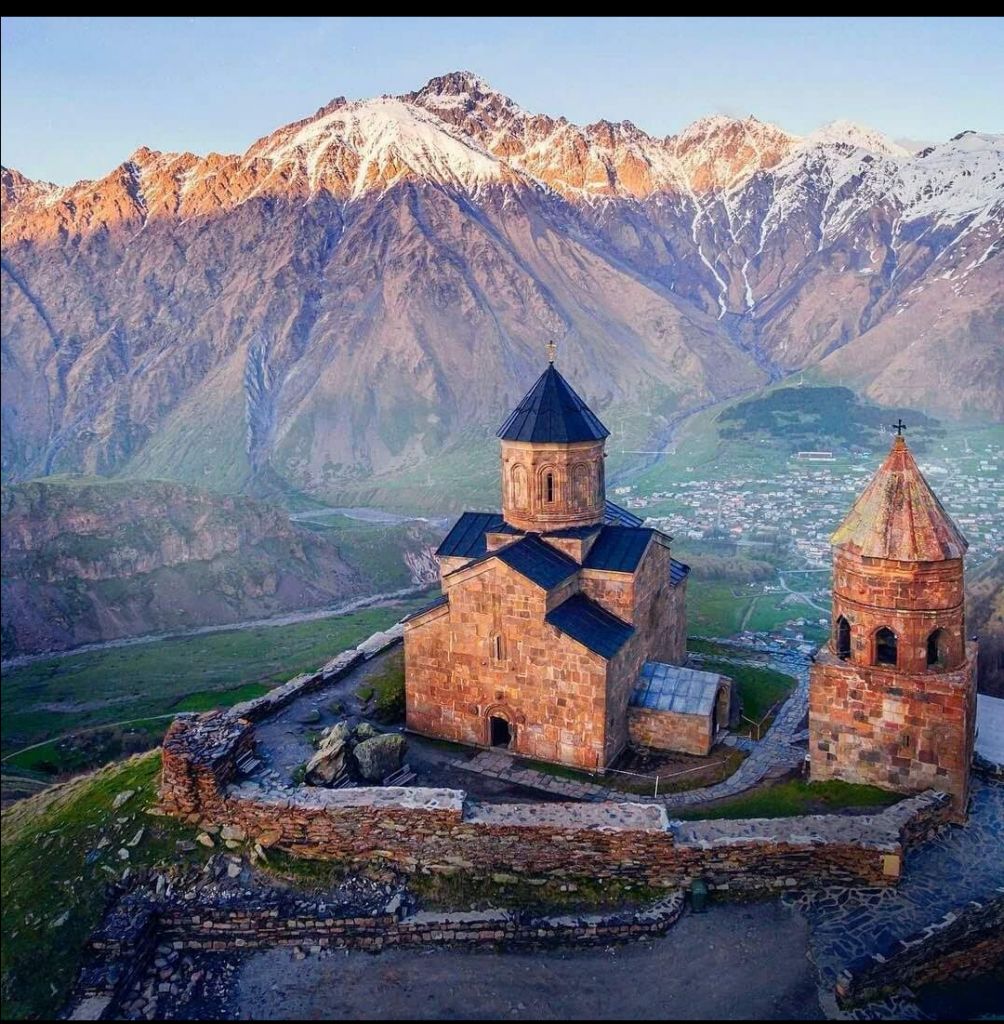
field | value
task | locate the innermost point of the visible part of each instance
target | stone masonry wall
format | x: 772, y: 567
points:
x: 431, y: 830
x: 579, y: 487
x: 550, y: 689
x: 875, y: 725
x: 667, y: 730
x: 963, y: 944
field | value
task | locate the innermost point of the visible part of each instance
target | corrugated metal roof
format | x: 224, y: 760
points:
x: 899, y: 517
x: 467, y: 537
x: 551, y: 411
x: 618, y: 548
x: 687, y: 691
x: 678, y: 572
x: 617, y: 516
x: 592, y: 626
x: 441, y: 600
x: 537, y: 561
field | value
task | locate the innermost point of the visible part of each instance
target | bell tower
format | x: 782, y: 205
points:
x: 552, y: 458
x: 892, y: 698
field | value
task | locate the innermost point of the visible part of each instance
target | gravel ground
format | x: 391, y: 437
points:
x: 733, y: 963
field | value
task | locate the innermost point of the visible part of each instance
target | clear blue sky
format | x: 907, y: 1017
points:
x: 79, y: 95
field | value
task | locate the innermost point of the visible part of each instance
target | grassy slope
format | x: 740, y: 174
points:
x: 52, y: 866
x: 789, y: 799
x: 188, y: 674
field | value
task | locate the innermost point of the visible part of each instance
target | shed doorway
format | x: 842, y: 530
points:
x: 500, y: 732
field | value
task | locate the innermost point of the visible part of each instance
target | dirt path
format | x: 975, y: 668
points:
x: 735, y: 962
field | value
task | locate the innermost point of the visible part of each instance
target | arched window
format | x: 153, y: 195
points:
x: 549, y: 486
x: 935, y: 648
x: 519, y: 488
x: 885, y: 647
x: 581, y: 480
x: 496, y: 646
x: 843, y: 638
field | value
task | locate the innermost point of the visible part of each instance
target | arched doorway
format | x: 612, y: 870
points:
x: 499, y: 732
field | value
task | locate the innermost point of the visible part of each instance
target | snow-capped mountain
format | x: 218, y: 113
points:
x: 359, y: 288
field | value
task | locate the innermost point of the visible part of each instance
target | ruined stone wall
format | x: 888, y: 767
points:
x: 667, y: 730
x: 429, y: 830
x: 876, y: 725
x: 966, y: 943
x: 549, y: 688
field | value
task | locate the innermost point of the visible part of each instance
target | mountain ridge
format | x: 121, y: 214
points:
x: 365, y: 288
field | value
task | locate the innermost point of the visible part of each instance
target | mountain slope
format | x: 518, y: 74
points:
x: 85, y: 561
x: 370, y: 287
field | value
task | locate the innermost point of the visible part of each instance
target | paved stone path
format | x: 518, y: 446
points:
x: 774, y: 751
x: 962, y: 864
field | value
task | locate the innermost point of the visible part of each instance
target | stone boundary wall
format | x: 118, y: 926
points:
x: 121, y: 949
x: 965, y: 943
x: 441, y: 830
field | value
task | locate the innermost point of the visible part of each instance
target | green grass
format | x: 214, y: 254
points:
x: 759, y: 688
x: 388, y: 688
x: 789, y: 799
x: 52, y: 865
x: 716, y: 608
x: 186, y: 674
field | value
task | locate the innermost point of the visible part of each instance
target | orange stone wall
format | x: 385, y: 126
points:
x: 552, y: 690
x: 667, y: 730
x: 901, y: 731
x: 579, y: 488
x: 911, y: 598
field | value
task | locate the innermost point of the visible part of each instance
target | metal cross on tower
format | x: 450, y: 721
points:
x: 899, y: 426
x: 552, y: 350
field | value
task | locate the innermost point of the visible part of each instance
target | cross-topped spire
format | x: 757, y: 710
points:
x: 552, y: 351
x: 899, y: 426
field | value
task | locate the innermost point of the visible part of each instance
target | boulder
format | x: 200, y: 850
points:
x: 376, y: 758
x: 329, y: 761
x: 365, y: 731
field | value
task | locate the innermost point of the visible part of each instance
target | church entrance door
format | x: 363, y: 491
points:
x: 501, y: 732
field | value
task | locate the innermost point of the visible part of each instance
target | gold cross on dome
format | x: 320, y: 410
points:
x: 552, y: 351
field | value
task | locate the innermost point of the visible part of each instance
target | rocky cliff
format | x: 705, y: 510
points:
x: 85, y: 561
x: 369, y: 288
x: 985, y: 620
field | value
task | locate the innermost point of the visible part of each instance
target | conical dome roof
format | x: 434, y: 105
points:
x: 551, y: 411
x: 899, y: 517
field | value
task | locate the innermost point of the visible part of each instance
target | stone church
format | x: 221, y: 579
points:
x: 892, y: 697
x: 562, y: 623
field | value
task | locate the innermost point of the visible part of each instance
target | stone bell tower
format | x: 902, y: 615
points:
x: 552, y: 459
x: 892, y: 698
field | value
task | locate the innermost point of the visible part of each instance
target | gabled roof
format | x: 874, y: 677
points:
x: 899, y: 517
x: 467, y: 537
x: 537, y: 561
x: 678, y: 572
x: 685, y: 691
x: 437, y: 603
x: 551, y: 411
x: 617, y: 516
x: 592, y: 626
x: 618, y: 548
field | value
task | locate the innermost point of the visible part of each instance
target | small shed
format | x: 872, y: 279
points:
x: 678, y: 709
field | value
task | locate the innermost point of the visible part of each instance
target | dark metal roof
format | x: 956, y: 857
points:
x: 678, y: 572
x: 537, y: 561
x: 591, y: 625
x: 618, y: 548
x: 441, y: 600
x: 552, y: 411
x: 467, y: 538
x: 684, y: 691
x: 617, y: 516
